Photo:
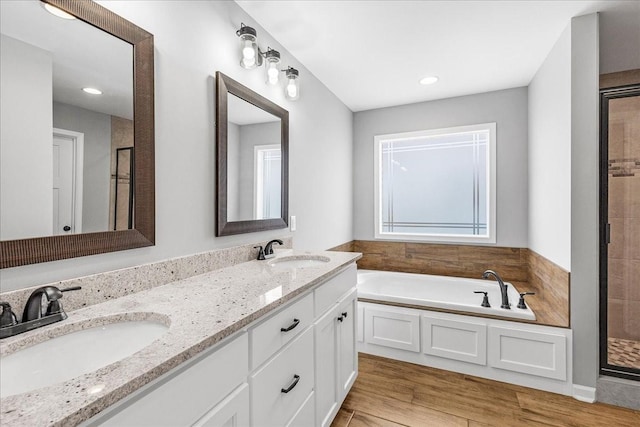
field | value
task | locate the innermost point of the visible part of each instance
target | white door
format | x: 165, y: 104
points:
x: 67, y: 182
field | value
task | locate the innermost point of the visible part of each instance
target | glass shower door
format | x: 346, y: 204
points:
x: 620, y: 232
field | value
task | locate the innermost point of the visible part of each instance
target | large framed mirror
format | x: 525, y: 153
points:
x: 77, y: 132
x: 252, y: 160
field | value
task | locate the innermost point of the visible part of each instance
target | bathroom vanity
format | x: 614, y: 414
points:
x: 259, y: 343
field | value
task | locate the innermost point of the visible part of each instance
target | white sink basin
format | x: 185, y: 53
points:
x: 298, y: 261
x: 68, y: 356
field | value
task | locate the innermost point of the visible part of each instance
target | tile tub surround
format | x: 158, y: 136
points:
x: 102, y: 287
x: 201, y: 310
x: 526, y: 269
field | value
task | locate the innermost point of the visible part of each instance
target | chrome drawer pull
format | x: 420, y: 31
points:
x: 293, y: 325
x: 296, y: 378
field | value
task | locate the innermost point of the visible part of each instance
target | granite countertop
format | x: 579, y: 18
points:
x: 199, y: 311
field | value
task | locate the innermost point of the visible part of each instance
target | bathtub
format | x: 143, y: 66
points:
x: 439, y: 292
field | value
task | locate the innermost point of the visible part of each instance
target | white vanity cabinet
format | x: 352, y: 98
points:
x: 292, y: 368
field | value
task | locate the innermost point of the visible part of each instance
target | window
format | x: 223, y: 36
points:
x: 437, y: 185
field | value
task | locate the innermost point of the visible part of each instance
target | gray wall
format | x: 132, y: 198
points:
x: 96, y: 128
x: 584, y: 198
x: 508, y: 108
x: 26, y: 161
x: 550, y: 155
x: 192, y: 41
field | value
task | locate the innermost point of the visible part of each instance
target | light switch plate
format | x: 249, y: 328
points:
x: 292, y: 223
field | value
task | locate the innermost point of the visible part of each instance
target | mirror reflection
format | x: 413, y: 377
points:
x: 254, y: 162
x: 66, y: 155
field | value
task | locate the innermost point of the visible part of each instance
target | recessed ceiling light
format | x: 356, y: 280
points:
x: 92, y: 90
x: 58, y: 12
x: 429, y: 80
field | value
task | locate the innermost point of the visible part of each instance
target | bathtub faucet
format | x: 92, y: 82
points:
x: 503, y: 287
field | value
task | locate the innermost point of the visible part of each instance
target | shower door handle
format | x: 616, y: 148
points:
x: 607, y: 232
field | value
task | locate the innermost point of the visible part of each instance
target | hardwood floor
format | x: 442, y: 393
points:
x: 390, y: 393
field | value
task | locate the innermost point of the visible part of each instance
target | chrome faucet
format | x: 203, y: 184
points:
x: 268, y: 250
x: 503, y: 287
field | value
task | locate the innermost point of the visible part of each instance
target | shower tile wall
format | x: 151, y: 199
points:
x: 624, y: 217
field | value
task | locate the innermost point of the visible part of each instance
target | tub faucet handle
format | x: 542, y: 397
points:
x: 485, y: 299
x: 521, y: 303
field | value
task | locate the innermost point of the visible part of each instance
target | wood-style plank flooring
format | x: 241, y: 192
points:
x: 390, y: 393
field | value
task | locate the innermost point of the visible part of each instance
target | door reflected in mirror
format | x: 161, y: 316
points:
x: 254, y: 162
x: 61, y: 171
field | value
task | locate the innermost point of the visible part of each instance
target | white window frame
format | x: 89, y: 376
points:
x: 490, y: 238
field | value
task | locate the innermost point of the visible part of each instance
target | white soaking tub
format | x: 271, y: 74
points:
x: 440, y: 292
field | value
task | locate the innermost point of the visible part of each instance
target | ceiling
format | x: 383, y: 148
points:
x: 372, y: 54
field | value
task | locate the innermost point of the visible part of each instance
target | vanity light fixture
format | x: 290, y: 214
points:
x: 251, y: 57
x: 92, y: 90
x: 57, y: 12
x: 271, y: 61
x: 292, y: 88
x: 428, y: 80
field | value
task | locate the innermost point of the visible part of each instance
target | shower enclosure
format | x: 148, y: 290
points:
x: 620, y: 232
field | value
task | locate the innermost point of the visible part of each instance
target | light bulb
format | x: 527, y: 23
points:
x: 292, y: 89
x: 273, y: 73
x: 248, y: 52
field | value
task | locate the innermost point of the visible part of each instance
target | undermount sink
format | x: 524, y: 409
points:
x: 298, y: 261
x: 67, y: 356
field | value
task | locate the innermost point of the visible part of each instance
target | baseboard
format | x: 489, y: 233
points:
x: 584, y: 393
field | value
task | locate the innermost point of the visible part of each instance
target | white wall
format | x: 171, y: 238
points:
x: 26, y: 137
x: 584, y: 198
x: 192, y: 41
x: 550, y: 155
x: 508, y: 108
x: 96, y: 128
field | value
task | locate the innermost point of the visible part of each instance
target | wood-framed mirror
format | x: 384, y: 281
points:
x: 48, y: 237
x: 252, y: 160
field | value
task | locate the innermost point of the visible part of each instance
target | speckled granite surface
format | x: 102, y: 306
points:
x: 200, y: 310
x: 101, y: 287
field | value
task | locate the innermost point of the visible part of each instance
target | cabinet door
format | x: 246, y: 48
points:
x: 326, y: 363
x: 347, y: 355
x: 231, y: 412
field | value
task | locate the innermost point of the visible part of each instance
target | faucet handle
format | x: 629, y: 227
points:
x: 485, y: 299
x: 521, y: 303
x: 260, y: 252
x: 7, y: 317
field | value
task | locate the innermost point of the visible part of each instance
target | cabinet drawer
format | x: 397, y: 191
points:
x: 268, y: 337
x: 198, y: 386
x: 270, y: 406
x: 233, y: 411
x: 330, y: 292
x: 304, y: 416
